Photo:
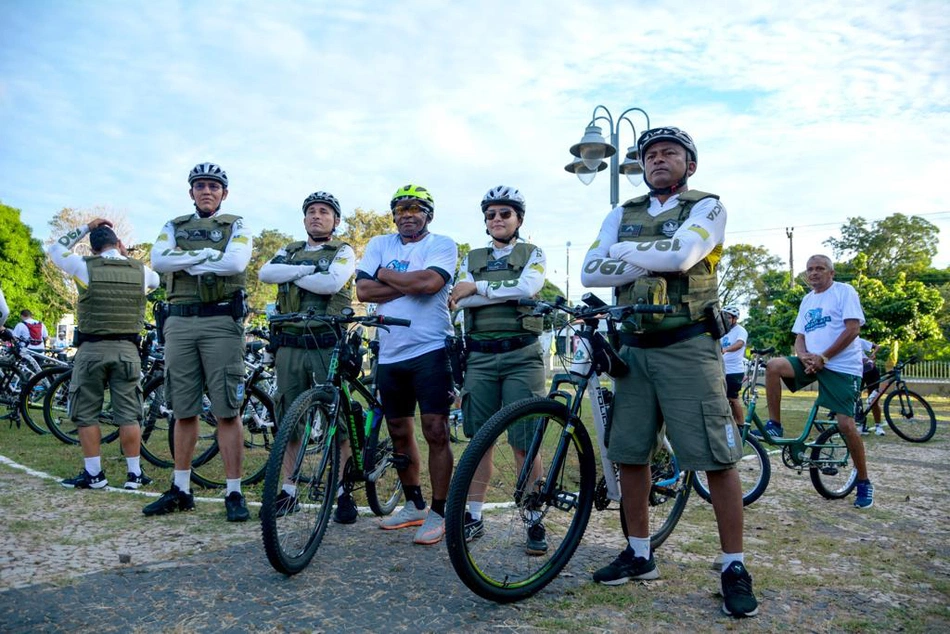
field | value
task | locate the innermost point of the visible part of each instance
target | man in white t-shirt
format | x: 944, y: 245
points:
x: 827, y: 348
x: 31, y: 332
x: 733, y: 356
x: 407, y: 274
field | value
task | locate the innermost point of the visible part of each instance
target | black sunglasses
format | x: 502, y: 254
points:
x: 505, y: 214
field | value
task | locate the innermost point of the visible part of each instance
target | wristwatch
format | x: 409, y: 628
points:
x: 824, y: 358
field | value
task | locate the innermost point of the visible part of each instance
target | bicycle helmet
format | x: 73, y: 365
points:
x: 208, y: 171
x: 504, y: 195
x: 414, y: 192
x: 731, y: 310
x: 655, y: 135
x: 322, y: 197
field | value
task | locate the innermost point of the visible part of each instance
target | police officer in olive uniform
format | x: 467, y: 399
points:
x: 111, y: 314
x: 313, y: 274
x: 203, y: 256
x: 505, y: 362
x: 663, y: 248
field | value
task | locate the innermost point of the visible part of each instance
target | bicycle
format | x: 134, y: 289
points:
x: 306, y: 452
x: 827, y: 458
x: 555, y: 483
x: 907, y: 412
x: 30, y: 402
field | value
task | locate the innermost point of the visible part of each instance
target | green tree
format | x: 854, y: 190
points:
x: 896, y: 244
x: 360, y: 227
x: 742, y: 271
x: 259, y: 294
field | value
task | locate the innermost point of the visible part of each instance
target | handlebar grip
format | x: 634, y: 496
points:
x: 653, y: 308
x: 593, y: 301
x: 528, y: 303
x: 393, y: 321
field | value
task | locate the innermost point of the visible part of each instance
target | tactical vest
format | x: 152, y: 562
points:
x: 690, y: 292
x: 500, y: 318
x: 193, y: 233
x: 114, y: 301
x: 291, y: 298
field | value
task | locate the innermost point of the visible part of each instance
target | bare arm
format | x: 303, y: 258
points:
x: 815, y: 361
x: 735, y: 346
x: 369, y: 290
x: 426, y: 282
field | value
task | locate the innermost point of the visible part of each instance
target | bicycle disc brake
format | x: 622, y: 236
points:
x: 601, y: 501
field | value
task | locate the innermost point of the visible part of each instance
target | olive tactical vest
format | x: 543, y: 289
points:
x: 690, y: 292
x: 114, y: 301
x: 192, y: 233
x: 500, y: 318
x: 291, y: 298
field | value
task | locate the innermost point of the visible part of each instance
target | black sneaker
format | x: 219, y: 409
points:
x: 286, y: 504
x: 737, y: 597
x: 345, y: 512
x: 174, y: 499
x: 625, y: 567
x: 536, y: 543
x: 236, y: 507
x: 86, y: 481
x: 133, y: 481
x: 473, y: 528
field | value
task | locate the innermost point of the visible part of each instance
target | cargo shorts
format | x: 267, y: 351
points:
x: 102, y: 365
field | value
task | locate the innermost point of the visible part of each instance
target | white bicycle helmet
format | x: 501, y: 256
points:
x: 731, y: 310
x: 208, y: 171
x: 504, y: 195
x: 322, y: 197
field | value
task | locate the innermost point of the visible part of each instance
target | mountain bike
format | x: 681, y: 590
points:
x: 755, y: 467
x: 827, y: 458
x: 906, y: 412
x: 33, y: 391
x: 556, y: 482
x: 306, y: 453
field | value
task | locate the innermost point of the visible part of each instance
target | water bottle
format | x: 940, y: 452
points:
x: 872, y: 397
x: 580, y: 364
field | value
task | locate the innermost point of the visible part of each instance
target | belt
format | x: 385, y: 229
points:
x: 308, y: 342
x: 663, y: 338
x: 200, y: 310
x: 494, y: 346
x: 82, y: 338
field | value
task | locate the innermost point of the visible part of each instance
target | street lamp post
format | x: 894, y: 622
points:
x: 592, y: 149
x: 567, y: 285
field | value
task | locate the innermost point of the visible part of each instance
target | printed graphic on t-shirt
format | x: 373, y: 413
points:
x: 398, y: 265
x: 814, y: 320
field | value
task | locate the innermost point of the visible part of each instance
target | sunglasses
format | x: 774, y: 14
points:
x: 212, y: 187
x: 404, y: 210
x: 505, y: 214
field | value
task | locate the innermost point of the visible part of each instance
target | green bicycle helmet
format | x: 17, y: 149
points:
x: 414, y: 192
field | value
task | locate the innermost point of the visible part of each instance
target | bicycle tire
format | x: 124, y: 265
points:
x: 907, y: 421
x: 669, y: 492
x: 56, y: 413
x: 384, y: 493
x: 834, y: 480
x: 31, y: 398
x: 755, y: 472
x: 157, y: 421
x: 257, y: 424
x: 291, y: 539
x: 495, y: 565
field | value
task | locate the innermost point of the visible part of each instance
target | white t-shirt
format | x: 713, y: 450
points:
x: 821, y: 319
x: 22, y: 332
x: 431, y: 322
x: 733, y: 360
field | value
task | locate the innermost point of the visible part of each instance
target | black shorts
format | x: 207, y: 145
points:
x: 426, y: 380
x: 870, y: 379
x: 733, y: 384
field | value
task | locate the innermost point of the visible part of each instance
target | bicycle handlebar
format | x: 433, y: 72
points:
x: 595, y: 306
x: 368, y: 320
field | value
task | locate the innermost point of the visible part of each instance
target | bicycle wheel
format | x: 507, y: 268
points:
x: 911, y: 418
x: 305, y: 449
x: 56, y: 413
x: 157, y: 421
x: 31, y: 398
x: 755, y: 471
x: 495, y: 565
x: 669, y: 492
x: 383, y: 489
x: 832, y: 470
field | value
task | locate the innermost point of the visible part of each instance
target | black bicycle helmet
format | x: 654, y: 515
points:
x: 655, y: 135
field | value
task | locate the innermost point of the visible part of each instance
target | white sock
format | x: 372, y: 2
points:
x: 290, y: 489
x: 182, y: 480
x: 134, y: 465
x: 640, y: 546
x: 728, y: 558
x: 534, y: 516
x: 93, y: 465
x: 475, y: 510
x: 234, y: 484
x: 340, y: 491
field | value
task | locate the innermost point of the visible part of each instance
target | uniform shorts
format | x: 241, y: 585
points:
x: 298, y: 370
x: 493, y: 380
x: 426, y: 380
x: 836, y: 390
x: 204, y: 354
x: 681, y: 389
x: 101, y: 365
x: 734, y: 384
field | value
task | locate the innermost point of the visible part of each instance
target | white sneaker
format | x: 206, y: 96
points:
x: 431, y: 531
x: 879, y: 430
x: 405, y: 517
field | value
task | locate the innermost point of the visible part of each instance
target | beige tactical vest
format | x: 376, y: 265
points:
x: 291, y: 298
x: 114, y: 301
x: 192, y: 233
x: 500, y: 318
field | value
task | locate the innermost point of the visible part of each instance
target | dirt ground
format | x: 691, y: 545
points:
x: 819, y: 566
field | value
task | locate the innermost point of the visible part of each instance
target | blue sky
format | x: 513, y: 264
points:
x: 804, y: 113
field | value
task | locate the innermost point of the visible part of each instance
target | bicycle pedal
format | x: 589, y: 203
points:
x: 565, y: 501
x: 829, y: 471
